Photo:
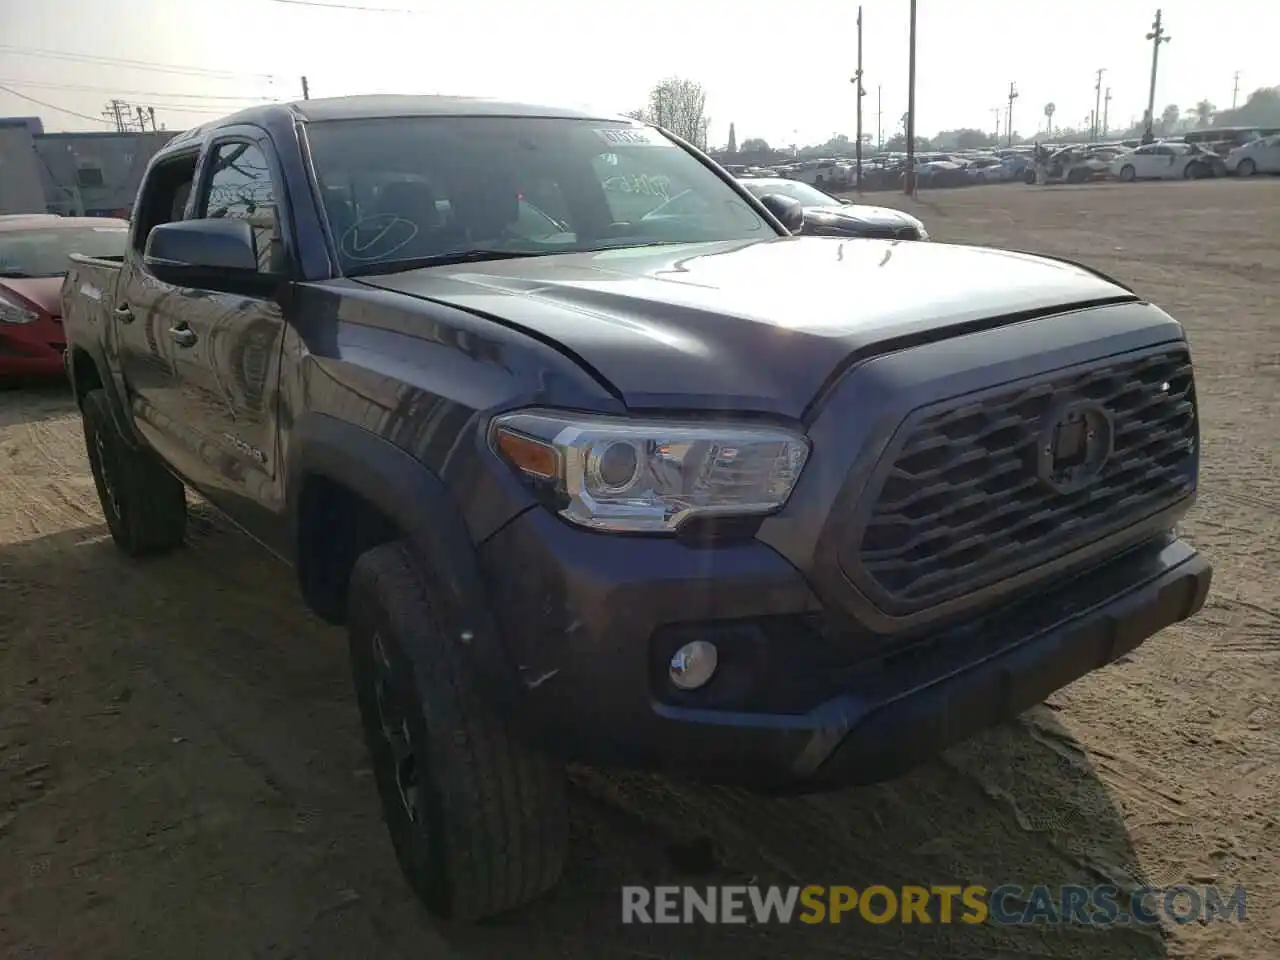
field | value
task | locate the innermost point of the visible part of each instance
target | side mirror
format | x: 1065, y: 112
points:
x: 209, y: 254
x: 787, y: 209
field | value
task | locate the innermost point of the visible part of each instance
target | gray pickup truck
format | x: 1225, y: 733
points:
x: 588, y: 480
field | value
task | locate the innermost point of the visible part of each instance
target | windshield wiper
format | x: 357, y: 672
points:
x: 14, y: 274
x: 440, y: 260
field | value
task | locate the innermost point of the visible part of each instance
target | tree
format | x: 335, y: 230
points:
x: 1260, y: 109
x: 733, y: 140
x: 1169, y: 119
x: 756, y: 145
x: 966, y: 138
x: 678, y: 105
x: 898, y: 144
x: 1202, y: 113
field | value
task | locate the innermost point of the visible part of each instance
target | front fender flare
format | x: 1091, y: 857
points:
x: 419, y: 503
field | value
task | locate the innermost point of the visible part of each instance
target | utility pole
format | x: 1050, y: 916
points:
x: 116, y: 111
x: 1008, y: 127
x: 859, y: 93
x: 909, y: 178
x: 1157, y: 36
x: 1235, y: 89
x: 879, y: 111
x: 1106, y: 109
x: 306, y: 90
x: 1097, y: 102
x: 997, y: 111
x: 151, y: 113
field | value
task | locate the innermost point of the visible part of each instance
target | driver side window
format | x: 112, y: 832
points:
x: 241, y: 187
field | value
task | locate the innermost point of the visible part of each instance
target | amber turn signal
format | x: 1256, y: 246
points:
x: 530, y: 456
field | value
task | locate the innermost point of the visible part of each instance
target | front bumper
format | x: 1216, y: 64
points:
x: 591, y: 620
x: 32, y: 349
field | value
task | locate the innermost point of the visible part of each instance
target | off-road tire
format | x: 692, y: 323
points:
x: 489, y: 826
x: 144, y: 504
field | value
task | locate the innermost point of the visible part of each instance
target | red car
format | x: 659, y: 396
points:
x: 33, y: 261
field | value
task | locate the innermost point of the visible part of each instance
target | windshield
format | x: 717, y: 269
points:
x: 440, y: 187
x: 43, y: 251
x: 807, y: 195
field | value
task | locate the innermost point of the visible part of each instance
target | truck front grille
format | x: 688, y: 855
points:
x: 964, y: 495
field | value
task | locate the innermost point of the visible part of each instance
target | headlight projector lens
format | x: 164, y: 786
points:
x: 613, y: 466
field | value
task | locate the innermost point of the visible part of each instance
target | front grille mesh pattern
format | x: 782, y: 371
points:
x: 961, y: 506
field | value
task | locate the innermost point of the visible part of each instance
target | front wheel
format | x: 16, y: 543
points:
x: 144, y: 504
x: 478, y: 821
x: 1128, y: 174
x: 1247, y: 168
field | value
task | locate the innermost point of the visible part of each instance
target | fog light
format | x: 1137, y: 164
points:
x: 693, y: 664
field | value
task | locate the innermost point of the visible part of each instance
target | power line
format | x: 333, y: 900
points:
x: 52, y: 106
x: 149, y: 94
x: 127, y: 62
x: 344, y: 6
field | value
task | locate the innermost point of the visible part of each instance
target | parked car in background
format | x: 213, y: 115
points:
x: 1070, y: 165
x: 34, y: 252
x: 1256, y: 156
x: 1166, y: 160
x: 987, y: 170
x: 827, y: 216
x: 940, y: 170
x: 1222, y: 140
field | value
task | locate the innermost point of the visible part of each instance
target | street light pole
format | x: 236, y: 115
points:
x: 879, y: 114
x: 1097, y: 102
x: 909, y: 179
x: 859, y: 93
x: 1013, y: 95
x: 1157, y: 36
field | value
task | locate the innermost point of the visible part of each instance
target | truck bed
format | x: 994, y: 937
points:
x: 87, y: 295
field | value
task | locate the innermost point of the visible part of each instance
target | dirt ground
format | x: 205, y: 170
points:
x: 181, y: 773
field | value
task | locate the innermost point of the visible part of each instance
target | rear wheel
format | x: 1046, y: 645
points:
x: 144, y: 504
x: 1128, y: 174
x: 1247, y: 168
x: 477, y: 820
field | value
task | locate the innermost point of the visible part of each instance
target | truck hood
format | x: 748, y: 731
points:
x: 750, y: 325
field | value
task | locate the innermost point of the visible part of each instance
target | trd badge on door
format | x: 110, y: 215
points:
x: 245, y: 448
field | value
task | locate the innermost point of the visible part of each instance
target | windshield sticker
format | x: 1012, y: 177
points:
x: 632, y: 137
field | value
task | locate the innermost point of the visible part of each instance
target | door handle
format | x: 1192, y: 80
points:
x: 183, y: 336
x: 123, y: 313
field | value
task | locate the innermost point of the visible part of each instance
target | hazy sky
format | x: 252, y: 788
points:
x: 773, y: 72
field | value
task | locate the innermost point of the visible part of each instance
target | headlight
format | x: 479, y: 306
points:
x: 11, y: 312
x: 650, y: 476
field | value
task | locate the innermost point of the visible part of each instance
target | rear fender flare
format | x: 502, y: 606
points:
x: 116, y: 400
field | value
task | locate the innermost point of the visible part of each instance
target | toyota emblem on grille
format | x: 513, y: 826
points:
x: 1074, y: 445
